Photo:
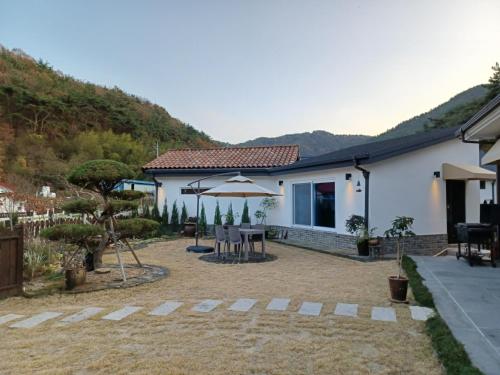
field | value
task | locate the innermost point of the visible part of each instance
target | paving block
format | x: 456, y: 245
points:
x: 386, y: 314
x: 310, y: 308
x: 421, y: 313
x: 122, y: 313
x: 166, y: 308
x: 206, y: 305
x: 243, y: 304
x: 82, y: 315
x: 9, y: 317
x: 36, y: 320
x: 278, y: 304
x: 346, y: 309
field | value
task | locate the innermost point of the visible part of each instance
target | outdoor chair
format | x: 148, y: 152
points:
x: 256, y: 237
x: 235, y: 238
x: 220, y: 238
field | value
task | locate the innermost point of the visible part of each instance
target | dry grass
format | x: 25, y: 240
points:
x: 224, y: 342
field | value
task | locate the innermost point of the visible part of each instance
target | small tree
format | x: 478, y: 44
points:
x: 146, y: 214
x: 202, y: 222
x: 184, y: 213
x: 164, y: 216
x: 155, y: 214
x: 230, y: 215
x: 266, y: 205
x: 174, y: 218
x: 245, y: 217
x: 400, y: 230
x: 217, y: 216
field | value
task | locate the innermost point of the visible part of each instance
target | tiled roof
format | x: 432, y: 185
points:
x: 227, y: 157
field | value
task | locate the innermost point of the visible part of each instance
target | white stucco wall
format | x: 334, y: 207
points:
x: 403, y: 185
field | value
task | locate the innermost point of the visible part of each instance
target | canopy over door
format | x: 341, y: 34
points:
x: 466, y: 172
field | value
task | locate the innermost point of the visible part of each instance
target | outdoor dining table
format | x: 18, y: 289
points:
x: 246, y: 233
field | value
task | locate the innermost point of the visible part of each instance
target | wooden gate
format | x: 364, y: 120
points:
x: 11, y: 262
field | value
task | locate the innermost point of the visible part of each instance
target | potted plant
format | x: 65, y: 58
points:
x: 190, y: 226
x: 400, y: 231
x: 266, y: 205
x: 355, y: 225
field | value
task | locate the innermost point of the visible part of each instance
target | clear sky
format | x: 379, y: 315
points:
x: 242, y: 69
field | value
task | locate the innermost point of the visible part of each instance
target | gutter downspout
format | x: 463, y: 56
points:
x: 366, y: 175
x: 157, y: 185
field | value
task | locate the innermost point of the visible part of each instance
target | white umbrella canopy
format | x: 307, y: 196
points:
x: 240, y: 186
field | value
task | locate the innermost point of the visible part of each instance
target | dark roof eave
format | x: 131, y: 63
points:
x: 479, y: 115
x: 204, y: 171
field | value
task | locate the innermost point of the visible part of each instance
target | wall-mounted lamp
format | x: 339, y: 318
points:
x: 358, y: 187
x: 280, y: 182
x: 348, y: 176
x: 437, y: 174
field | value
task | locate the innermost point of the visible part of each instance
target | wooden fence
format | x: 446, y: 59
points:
x: 32, y: 229
x: 11, y: 261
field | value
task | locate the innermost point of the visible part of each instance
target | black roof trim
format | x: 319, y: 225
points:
x: 206, y: 171
x: 479, y: 115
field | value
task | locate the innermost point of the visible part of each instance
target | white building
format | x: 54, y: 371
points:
x: 432, y: 177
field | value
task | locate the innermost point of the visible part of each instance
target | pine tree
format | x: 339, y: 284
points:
x: 493, y: 84
x: 155, y: 214
x: 217, y: 216
x: 164, y: 217
x: 145, y: 212
x: 184, y: 213
x: 230, y: 215
x: 202, y: 222
x: 245, y: 217
x: 174, y: 219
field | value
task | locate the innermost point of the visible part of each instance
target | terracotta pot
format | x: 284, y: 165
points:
x: 398, y: 287
x: 75, y: 278
x: 189, y: 230
x: 363, y: 248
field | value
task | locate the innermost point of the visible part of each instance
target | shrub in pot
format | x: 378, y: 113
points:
x: 400, y: 231
x: 355, y: 225
x: 190, y: 227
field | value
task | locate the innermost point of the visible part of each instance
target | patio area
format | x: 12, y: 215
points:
x: 240, y: 335
x: 468, y: 299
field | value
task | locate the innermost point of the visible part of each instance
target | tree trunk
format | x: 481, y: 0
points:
x: 99, y: 251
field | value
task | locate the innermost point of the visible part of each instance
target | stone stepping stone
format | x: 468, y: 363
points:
x: 36, y: 320
x: 82, y: 315
x: 346, y: 309
x: 310, y: 308
x: 9, y: 317
x: 385, y: 314
x: 278, y: 304
x: 243, y: 304
x: 166, y: 308
x: 206, y: 305
x: 122, y: 313
x: 421, y: 313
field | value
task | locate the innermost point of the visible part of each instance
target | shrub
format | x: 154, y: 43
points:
x: 114, y: 206
x: 202, y: 222
x: 245, y: 217
x: 136, y: 227
x: 230, y: 215
x: 174, y: 219
x: 155, y: 214
x: 127, y: 195
x: 164, y: 217
x: 37, y: 258
x: 81, y: 206
x: 184, y: 213
x: 71, y: 233
x: 217, y: 216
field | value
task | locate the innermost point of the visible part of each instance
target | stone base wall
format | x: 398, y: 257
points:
x: 334, y: 242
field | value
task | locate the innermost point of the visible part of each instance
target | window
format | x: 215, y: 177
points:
x: 482, y: 185
x: 324, y: 204
x: 186, y: 191
x: 314, y: 204
x: 302, y: 204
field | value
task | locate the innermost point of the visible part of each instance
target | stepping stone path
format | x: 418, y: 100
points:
x: 82, y: 315
x: 385, y: 314
x: 207, y: 305
x: 166, y: 308
x: 243, y: 304
x: 421, y: 313
x: 122, y: 313
x: 9, y: 317
x: 36, y: 320
x: 278, y: 304
x: 346, y: 309
x: 310, y: 308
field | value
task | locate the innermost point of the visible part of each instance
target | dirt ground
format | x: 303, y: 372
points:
x: 222, y: 341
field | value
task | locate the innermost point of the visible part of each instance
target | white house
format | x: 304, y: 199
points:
x: 431, y: 176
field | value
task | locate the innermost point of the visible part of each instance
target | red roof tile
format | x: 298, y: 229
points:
x: 227, y: 157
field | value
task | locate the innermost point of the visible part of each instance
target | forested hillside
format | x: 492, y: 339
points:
x: 311, y: 143
x: 50, y: 122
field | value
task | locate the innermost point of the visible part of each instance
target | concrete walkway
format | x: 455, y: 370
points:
x: 468, y: 299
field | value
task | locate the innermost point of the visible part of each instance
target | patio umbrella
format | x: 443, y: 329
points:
x: 240, y: 186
